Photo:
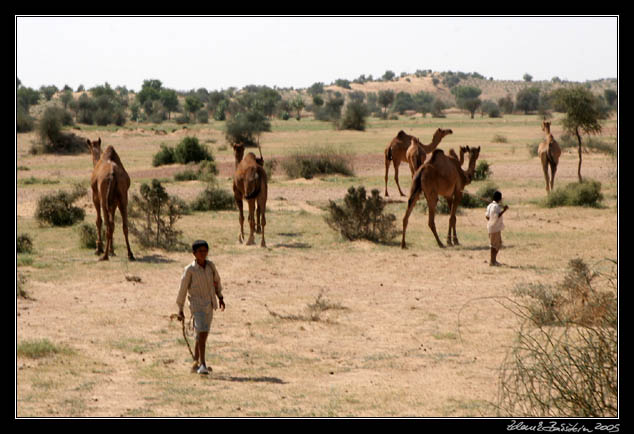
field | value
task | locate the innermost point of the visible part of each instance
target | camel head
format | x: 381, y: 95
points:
x: 474, y: 153
x: 95, y: 149
x: 440, y: 133
x: 546, y: 126
x: 238, y: 152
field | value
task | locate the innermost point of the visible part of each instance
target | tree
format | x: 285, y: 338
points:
x: 527, y: 77
x: 611, y: 97
x: 245, y: 127
x: 388, y: 76
x: 27, y: 97
x: 583, y: 110
x: 298, y: 105
x: 527, y: 99
x: 467, y: 98
x: 386, y: 98
x: 354, y: 116
x: 193, y: 104
x: 169, y: 99
x: 149, y: 91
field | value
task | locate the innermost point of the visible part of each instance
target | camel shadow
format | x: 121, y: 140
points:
x: 272, y: 380
x: 294, y: 245
x: 155, y: 259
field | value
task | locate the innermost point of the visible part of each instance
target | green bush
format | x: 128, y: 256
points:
x: 486, y: 191
x: 164, y: 156
x: 190, y: 150
x: 213, y: 199
x: 24, y: 244
x: 482, y: 171
x: 35, y: 349
x: 153, y: 216
x: 88, y: 236
x: 57, y: 208
x: 354, y: 117
x: 362, y: 217
x: 24, y: 122
x: 586, y: 193
x: 52, y: 138
x: 324, y: 161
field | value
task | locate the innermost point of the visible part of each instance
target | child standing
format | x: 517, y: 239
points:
x: 495, y: 225
x: 201, y: 282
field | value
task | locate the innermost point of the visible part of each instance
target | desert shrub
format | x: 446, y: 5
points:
x: 213, y: 199
x: 269, y: 166
x: 187, y: 151
x: 362, y: 217
x: 153, y: 216
x: 24, y: 122
x: 24, y: 243
x: 52, y: 138
x: 564, y: 360
x: 471, y: 201
x: 499, y: 138
x: 586, y: 193
x: 88, y: 235
x: 57, y: 208
x: 164, y: 156
x: 354, y: 117
x: 38, y: 348
x: 482, y: 171
x: 486, y: 191
x: 324, y: 161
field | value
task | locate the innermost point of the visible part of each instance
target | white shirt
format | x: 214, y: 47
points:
x: 202, y: 284
x: 496, y: 221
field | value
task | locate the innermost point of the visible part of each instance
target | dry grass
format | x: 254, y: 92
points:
x: 416, y: 333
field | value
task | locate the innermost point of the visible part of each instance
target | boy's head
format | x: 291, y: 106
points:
x: 497, y: 196
x: 200, y: 249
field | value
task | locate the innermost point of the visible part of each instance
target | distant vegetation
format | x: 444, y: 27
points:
x: 344, y: 102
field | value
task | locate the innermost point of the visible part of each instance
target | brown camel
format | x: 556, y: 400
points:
x: 549, y: 153
x: 250, y: 183
x: 417, y: 152
x: 441, y: 175
x: 110, y: 183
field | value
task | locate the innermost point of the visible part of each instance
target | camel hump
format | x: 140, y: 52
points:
x: 402, y: 135
x: 435, y: 154
x: 111, y: 154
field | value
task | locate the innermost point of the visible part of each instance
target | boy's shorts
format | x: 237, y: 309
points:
x: 202, y: 320
x: 495, y: 240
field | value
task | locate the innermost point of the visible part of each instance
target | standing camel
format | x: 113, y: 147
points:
x: 441, y: 176
x: 549, y: 153
x: 110, y: 183
x: 250, y: 183
x: 417, y: 152
x: 396, y: 152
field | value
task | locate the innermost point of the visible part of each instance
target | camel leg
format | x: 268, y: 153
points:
x: 123, y: 209
x: 431, y: 206
x: 262, y: 210
x: 109, y: 221
x: 553, y: 170
x: 545, y: 169
x: 98, y: 223
x: 452, y: 219
x: 241, y: 220
x: 396, y: 164
x: 258, y: 227
x: 251, y: 239
x: 387, y: 169
x: 410, y: 207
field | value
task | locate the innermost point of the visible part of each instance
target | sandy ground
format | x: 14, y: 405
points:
x: 420, y: 332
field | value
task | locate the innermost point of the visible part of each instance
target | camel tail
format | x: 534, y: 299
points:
x: 112, y: 188
x: 388, y: 155
x: 416, y: 187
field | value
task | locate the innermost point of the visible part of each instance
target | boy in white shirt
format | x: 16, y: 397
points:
x: 495, y: 225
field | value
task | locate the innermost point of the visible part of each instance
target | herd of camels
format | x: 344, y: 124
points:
x: 438, y: 175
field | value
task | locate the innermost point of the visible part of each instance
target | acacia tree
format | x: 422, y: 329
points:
x: 467, y: 98
x: 584, y: 113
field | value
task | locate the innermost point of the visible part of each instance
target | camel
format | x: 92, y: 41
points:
x: 396, y: 152
x: 441, y: 175
x: 417, y: 152
x: 110, y: 183
x: 250, y: 183
x: 549, y: 153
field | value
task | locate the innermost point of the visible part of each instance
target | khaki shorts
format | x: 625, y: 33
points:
x: 495, y: 240
x: 202, y: 320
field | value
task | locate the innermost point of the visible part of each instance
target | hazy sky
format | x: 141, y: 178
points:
x: 220, y: 52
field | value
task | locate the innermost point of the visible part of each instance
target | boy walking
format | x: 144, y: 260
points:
x: 201, y: 282
x: 495, y: 225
